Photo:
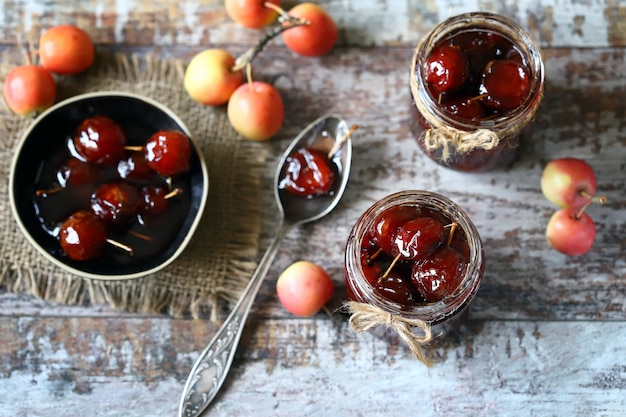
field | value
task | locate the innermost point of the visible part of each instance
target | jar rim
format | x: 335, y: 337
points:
x: 476, y: 21
x: 428, y: 312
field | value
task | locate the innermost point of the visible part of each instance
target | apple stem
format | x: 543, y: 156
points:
x: 580, y: 212
x: 282, y: 12
x: 249, y: 74
x: 122, y: 246
x: 246, y: 58
x: 173, y: 193
x: 25, y: 50
x: 134, y: 148
x: 478, y: 97
x: 393, y: 263
x: 341, y: 141
x: 598, y: 199
x: 374, y: 256
x: 140, y: 235
x: 453, y: 226
x: 53, y: 190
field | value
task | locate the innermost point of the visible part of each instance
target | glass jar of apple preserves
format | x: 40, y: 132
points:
x: 476, y: 84
x: 413, y: 264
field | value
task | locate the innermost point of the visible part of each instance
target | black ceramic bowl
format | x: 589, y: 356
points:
x: 43, y: 148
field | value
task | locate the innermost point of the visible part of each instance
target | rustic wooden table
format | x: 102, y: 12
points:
x: 547, y: 333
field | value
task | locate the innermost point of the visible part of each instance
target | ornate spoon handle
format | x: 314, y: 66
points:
x: 211, y: 368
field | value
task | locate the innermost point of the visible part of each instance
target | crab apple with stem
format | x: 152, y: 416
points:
x: 134, y: 167
x: 73, y: 172
x: 396, y: 288
x: 418, y: 238
x: 571, y: 231
x: 211, y: 77
x: 569, y: 182
x: 29, y: 89
x: 447, y: 68
x: 308, y: 173
x: 101, y: 140
x: 168, y: 152
x: 66, y: 49
x: 439, y: 274
x: 155, y: 199
x: 505, y: 84
x: 309, y: 170
x: 256, y: 110
x: 304, y: 288
x: 317, y: 37
x: 116, y: 202
x: 383, y: 229
x: 82, y: 236
x: 253, y: 14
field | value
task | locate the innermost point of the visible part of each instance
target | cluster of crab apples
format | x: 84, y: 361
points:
x: 214, y: 77
x: 63, y: 50
x: 111, y: 186
x: 570, y: 183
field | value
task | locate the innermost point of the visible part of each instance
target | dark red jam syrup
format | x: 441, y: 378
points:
x: 310, y: 172
x: 117, y: 190
x: 477, y: 74
x: 413, y: 255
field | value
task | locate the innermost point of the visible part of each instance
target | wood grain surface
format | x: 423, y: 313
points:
x: 547, y: 333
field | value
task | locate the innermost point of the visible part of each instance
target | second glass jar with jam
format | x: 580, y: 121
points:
x: 476, y: 84
x: 417, y: 256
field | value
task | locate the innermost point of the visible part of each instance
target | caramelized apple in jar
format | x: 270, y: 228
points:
x: 414, y: 260
x: 476, y: 84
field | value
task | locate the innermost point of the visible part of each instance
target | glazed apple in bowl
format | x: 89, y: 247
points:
x: 108, y: 185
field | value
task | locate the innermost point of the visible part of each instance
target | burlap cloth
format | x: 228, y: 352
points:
x: 222, y: 255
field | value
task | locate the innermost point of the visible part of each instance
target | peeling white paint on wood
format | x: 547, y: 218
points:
x: 546, y: 368
x: 371, y: 22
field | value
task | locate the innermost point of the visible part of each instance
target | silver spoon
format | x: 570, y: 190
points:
x: 210, y: 369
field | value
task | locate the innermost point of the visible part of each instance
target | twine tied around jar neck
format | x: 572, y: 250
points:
x: 364, y: 316
x: 449, y: 139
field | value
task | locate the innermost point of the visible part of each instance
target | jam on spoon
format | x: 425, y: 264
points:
x: 211, y: 368
x: 311, y: 172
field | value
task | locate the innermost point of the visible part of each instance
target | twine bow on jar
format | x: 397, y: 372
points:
x: 365, y: 316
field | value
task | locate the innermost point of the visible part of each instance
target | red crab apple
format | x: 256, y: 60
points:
x: 317, y: 37
x: 569, y: 182
x: 29, y: 89
x: 253, y: 14
x: 66, y: 49
x: 256, y: 110
x: 304, y: 288
x: 83, y: 236
x: 447, y: 68
x: 571, y: 231
x: 505, y: 84
x: 210, y: 78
